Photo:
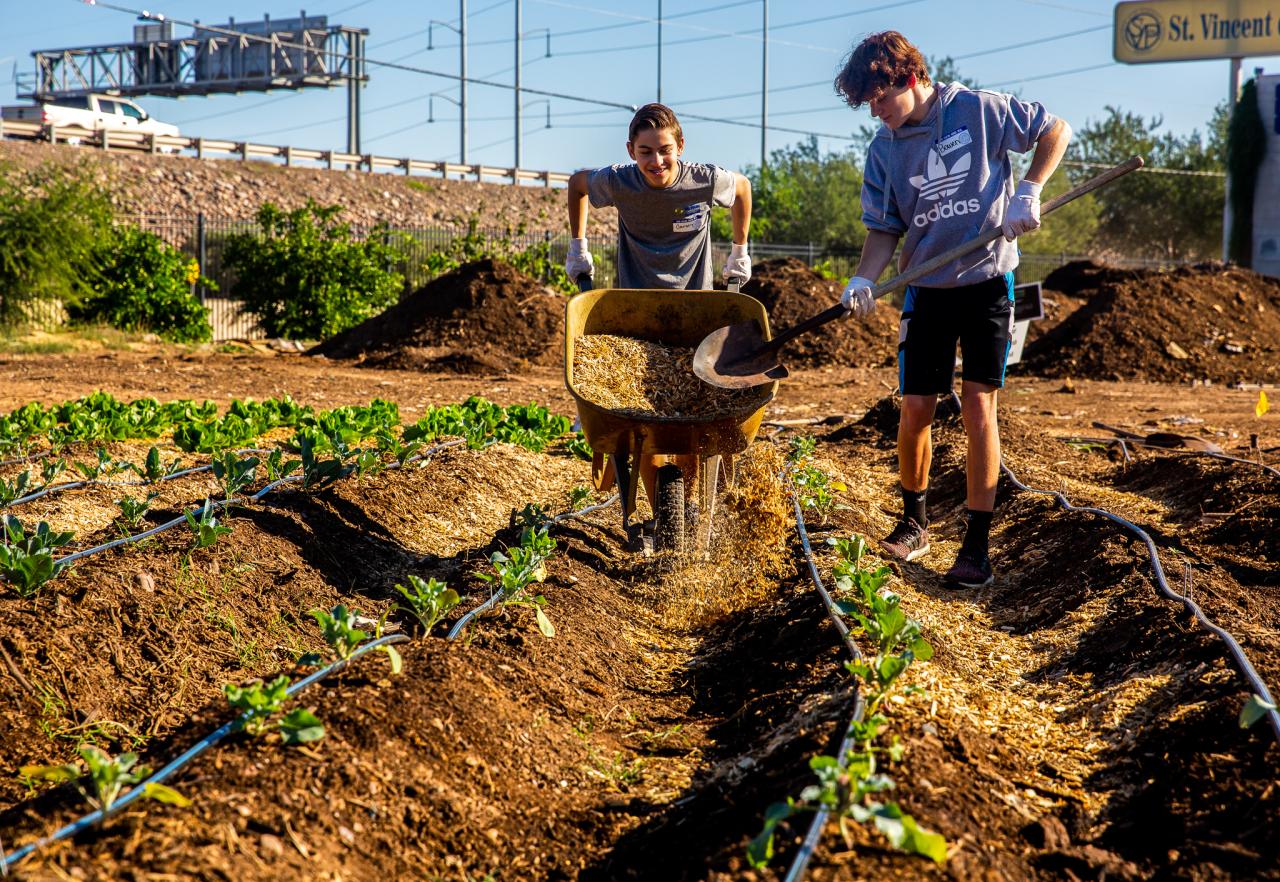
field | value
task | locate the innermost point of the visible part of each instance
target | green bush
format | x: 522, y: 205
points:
x: 536, y: 260
x: 51, y: 225
x: 145, y: 284
x: 306, y: 277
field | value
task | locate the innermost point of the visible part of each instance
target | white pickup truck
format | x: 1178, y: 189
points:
x: 95, y: 113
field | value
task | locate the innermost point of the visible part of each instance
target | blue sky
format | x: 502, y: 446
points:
x: 605, y: 50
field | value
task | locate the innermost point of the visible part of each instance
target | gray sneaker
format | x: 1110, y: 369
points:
x: 972, y: 569
x: 908, y: 540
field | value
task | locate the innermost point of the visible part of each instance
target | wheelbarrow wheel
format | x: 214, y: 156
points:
x: 668, y: 510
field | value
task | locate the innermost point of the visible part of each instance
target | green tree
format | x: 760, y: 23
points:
x: 1147, y: 214
x: 144, y: 284
x: 51, y: 224
x: 305, y: 276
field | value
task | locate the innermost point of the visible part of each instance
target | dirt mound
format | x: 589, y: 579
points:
x: 792, y: 292
x: 1202, y: 322
x: 483, y: 316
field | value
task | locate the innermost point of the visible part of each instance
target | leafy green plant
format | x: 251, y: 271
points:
x: 108, y: 777
x: 105, y: 466
x: 26, y: 559
x: 521, y: 565
x: 15, y: 489
x: 338, y: 627
x: 316, y: 470
x: 578, y: 446
x: 578, y: 496
x: 234, y: 473
x: 277, y: 467
x: 257, y: 702
x: 802, y: 448
x: 205, y: 528
x: 133, y: 510
x: 50, y: 469
x: 428, y: 601
x: 305, y: 276
x: 301, y: 726
x: 154, y: 469
x: 398, y: 449
x: 144, y: 284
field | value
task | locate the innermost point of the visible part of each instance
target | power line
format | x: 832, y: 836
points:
x: 1105, y: 27
x: 1060, y: 73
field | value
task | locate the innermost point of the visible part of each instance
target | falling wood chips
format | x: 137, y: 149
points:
x: 640, y: 378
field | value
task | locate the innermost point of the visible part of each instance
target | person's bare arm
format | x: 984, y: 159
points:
x: 877, y: 252
x: 1050, y: 149
x: 741, y: 211
x: 578, y: 204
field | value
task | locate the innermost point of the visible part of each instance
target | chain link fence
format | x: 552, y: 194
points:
x: 204, y: 239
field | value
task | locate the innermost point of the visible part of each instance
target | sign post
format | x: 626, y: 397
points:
x: 1195, y: 30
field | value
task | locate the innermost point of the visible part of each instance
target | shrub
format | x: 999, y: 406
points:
x: 51, y: 225
x: 144, y: 284
x: 306, y: 277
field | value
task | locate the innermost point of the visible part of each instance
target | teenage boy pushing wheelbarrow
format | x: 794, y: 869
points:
x: 664, y: 215
x: 937, y: 174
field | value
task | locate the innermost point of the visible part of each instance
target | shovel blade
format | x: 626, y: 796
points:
x: 737, y: 357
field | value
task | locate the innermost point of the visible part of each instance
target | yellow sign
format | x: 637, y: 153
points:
x: 1186, y: 30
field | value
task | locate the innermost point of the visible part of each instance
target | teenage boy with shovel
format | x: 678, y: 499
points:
x: 664, y: 223
x: 937, y: 174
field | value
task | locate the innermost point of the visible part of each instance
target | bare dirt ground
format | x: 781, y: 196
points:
x: 1075, y: 726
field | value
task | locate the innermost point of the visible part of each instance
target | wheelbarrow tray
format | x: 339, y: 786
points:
x: 671, y: 318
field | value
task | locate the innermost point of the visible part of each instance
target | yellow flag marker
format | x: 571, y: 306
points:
x: 1263, y: 405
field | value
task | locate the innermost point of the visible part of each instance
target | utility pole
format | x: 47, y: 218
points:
x: 354, y: 86
x: 519, y: 62
x: 764, y: 85
x: 1233, y: 93
x: 461, y: 31
x: 659, y: 51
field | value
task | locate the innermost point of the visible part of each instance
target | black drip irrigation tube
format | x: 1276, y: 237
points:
x: 139, y: 790
x: 1211, y: 454
x: 497, y: 597
x: 800, y: 863
x: 1237, y: 653
x: 95, y: 482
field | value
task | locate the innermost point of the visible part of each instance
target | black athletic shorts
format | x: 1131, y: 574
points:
x: 979, y: 317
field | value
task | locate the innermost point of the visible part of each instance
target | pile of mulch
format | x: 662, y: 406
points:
x: 792, y: 292
x: 483, y: 317
x: 1209, y: 321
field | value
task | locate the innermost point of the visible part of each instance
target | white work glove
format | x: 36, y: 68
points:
x: 857, y: 297
x: 738, y: 266
x: 579, y: 260
x: 1022, y: 214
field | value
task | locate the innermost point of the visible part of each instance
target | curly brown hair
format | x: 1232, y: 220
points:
x: 654, y: 116
x: 882, y: 61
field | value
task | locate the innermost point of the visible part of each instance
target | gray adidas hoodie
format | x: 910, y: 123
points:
x: 949, y: 178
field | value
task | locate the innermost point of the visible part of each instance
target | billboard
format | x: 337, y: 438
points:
x: 1188, y: 30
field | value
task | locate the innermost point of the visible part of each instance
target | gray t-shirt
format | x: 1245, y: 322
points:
x: 664, y: 236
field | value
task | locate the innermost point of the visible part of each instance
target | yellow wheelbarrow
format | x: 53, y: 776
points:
x: 620, y: 440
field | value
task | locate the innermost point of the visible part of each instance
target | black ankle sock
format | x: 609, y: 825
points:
x: 913, y: 506
x: 978, y: 533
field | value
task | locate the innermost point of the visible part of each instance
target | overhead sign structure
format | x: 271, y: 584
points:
x: 1190, y: 30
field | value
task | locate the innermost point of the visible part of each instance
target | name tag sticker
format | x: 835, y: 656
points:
x: 691, y: 218
x: 953, y: 141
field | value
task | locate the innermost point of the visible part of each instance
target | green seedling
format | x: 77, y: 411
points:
x: 521, y: 565
x: 817, y: 490
x: 15, y: 489
x: 396, y: 448
x: 26, y: 559
x: 1254, y: 709
x: 578, y: 446
x: 531, y: 517
x: 338, y: 627
x: 429, y: 601
x: 133, y: 510
x: 277, y: 467
x: 105, y: 466
x: 234, y: 473
x: 317, y: 472
x: 108, y: 777
x: 51, y: 469
x: 300, y: 726
x: 578, y: 496
x: 802, y: 448
x: 205, y: 529
x: 367, y: 462
x: 257, y: 702
x: 153, y: 467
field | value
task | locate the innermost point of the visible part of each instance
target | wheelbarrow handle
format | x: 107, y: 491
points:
x: 917, y: 272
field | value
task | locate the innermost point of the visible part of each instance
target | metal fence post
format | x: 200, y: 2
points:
x: 201, y: 253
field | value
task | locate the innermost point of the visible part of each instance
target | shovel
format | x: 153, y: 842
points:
x: 738, y: 356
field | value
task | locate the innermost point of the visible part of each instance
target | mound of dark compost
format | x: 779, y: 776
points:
x: 1209, y: 321
x: 483, y: 317
x: 792, y: 292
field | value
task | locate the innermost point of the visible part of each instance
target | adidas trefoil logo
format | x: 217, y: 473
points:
x: 938, y: 181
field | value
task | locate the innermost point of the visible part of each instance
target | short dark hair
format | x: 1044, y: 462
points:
x: 654, y: 116
x: 882, y: 61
